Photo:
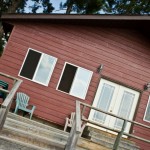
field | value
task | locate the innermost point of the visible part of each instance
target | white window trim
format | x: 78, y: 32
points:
x: 73, y: 80
x: 148, y: 103
x: 53, y: 66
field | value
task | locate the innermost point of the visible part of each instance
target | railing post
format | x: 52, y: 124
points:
x: 78, y: 117
x: 118, y: 138
x: 82, y: 112
x: 75, y: 130
x: 7, y: 102
x: 2, y: 117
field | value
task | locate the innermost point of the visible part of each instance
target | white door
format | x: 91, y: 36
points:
x: 116, y: 99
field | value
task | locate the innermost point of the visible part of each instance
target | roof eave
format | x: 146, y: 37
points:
x: 72, y: 17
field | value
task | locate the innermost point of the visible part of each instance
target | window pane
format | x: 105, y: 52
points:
x: 67, y: 78
x: 147, y: 113
x: 30, y: 64
x: 45, y: 69
x: 81, y: 83
x: 125, y: 108
x: 104, y: 102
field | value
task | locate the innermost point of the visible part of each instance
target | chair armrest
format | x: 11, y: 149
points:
x: 32, y: 110
x: 32, y: 107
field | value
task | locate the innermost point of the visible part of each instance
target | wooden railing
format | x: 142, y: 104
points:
x: 5, y: 106
x: 76, y: 128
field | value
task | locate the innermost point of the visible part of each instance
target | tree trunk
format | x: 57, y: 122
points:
x: 69, y: 6
x: 14, y: 6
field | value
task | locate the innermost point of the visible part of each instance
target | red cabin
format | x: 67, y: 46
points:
x: 99, y: 60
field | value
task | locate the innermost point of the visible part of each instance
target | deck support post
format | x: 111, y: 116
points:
x: 2, y: 117
x: 118, y: 138
x: 75, y: 130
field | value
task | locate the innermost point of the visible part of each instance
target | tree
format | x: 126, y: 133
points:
x: 131, y: 7
x: 18, y: 6
x: 84, y: 6
x: 124, y: 7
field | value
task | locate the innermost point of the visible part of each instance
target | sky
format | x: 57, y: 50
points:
x: 55, y: 3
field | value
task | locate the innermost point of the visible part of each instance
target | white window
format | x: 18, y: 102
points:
x: 75, y: 80
x: 38, y: 67
x: 147, y: 112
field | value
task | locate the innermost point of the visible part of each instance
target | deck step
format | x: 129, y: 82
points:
x: 34, y: 123
x: 12, y: 144
x: 39, y: 131
x: 31, y: 135
x: 21, y: 133
x: 31, y: 138
x: 107, y: 140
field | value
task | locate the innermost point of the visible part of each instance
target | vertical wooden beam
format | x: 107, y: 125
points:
x: 118, y: 138
x: 2, y: 117
x: 73, y: 136
x: 78, y: 117
x: 82, y: 112
x: 75, y: 130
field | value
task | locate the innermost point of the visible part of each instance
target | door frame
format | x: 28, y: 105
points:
x: 121, y: 87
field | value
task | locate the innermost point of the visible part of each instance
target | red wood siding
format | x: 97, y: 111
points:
x: 124, y: 53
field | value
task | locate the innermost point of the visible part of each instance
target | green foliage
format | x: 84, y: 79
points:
x: 130, y: 7
x: 93, y: 6
x: 3, y: 40
x: 125, y: 7
x: 7, y: 5
x: 48, y: 8
x: 84, y: 6
x: 20, y: 5
x: 46, y: 5
x: 4, y: 5
x: 1, y: 47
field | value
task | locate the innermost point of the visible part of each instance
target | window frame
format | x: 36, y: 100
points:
x: 148, y: 103
x: 91, y: 74
x: 38, y: 64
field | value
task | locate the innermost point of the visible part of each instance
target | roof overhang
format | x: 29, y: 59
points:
x: 72, y: 17
x: 137, y: 22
